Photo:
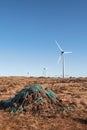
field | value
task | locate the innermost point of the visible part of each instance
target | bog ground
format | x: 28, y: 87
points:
x: 71, y: 91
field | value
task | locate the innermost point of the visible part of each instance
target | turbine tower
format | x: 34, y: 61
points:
x: 62, y: 52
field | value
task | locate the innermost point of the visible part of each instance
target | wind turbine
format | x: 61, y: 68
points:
x: 62, y: 52
x: 44, y: 71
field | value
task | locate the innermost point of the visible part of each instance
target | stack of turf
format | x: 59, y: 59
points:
x: 34, y: 98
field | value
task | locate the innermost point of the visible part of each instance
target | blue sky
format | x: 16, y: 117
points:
x: 28, y: 30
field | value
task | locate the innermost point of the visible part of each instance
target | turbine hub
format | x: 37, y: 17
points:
x: 62, y: 52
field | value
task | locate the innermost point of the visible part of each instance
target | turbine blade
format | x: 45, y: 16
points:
x: 67, y: 52
x: 59, y: 46
x: 59, y: 59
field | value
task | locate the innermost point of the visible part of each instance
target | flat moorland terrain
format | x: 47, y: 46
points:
x: 69, y: 91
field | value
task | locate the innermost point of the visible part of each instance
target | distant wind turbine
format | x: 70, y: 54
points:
x: 62, y: 52
x: 44, y: 71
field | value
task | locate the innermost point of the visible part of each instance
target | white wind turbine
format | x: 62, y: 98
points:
x: 44, y: 72
x: 62, y: 52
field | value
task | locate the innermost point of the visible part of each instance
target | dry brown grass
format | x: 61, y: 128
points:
x: 72, y: 90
